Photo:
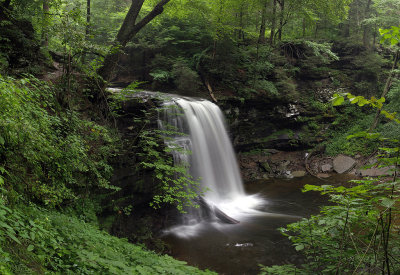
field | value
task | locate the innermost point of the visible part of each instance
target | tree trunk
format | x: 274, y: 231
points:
x: 127, y: 31
x: 374, y: 37
x: 261, y: 38
x: 281, y: 17
x: 273, y: 23
x: 88, y: 14
x: 87, y: 29
x: 385, y: 90
x: 45, y: 23
x: 365, y: 27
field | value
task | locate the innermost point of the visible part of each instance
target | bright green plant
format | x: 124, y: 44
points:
x: 63, y: 155
x: 392, y: 35
x: 357, y: 233
x: 34, y: 240
x: 175, y: 185
x: 172, y: 183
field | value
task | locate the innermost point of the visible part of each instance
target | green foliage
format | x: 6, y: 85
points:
x: 62, y: 153
x: 174, y: 183
x: 368, y: 66
x: 161, y: 76
x: 338, y: 142
x: 171, y: 182
x: 185, y: 78
x: 349, y: 120
x: 361, y: 121
x: 35, y: 240
x: 176, y: 186
x: 392, y: 35
x: 322, y: 50
x: 282, y: 269
x: 338, y: 99
x: 350, y: 235
x: 357, y: 232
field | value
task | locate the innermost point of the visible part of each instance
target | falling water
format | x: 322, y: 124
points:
x: 212, y: 159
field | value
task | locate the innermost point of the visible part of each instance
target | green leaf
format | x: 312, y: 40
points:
x: 383, y: 31
x: 338, y: 100
x: 362, y: 102
x: 299, y: 247
x: 393, y: 41
x: 354, y: 100
x: 387, y: 36
x: 30, y: 247
x: 386, y: 202
x: 12, y: 236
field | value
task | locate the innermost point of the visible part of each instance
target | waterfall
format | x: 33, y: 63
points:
x: 212, y: 159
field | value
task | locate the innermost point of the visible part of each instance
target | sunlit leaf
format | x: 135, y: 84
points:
x: 337, y: 101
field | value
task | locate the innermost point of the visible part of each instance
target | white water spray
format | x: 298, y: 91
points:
x: 212, y: 159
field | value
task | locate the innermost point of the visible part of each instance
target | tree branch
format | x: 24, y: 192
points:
x: 157, y: 10
x: 129, y: 21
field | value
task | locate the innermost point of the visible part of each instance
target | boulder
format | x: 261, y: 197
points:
x: 326, y: 168
x: 342, y: 164
x: 299, y: 173
x: 374, y: 172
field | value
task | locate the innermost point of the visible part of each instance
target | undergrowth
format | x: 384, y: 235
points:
x: 63, y: 155
x: 349, y: 121
x: 54, y: 173
x: 34, y: 240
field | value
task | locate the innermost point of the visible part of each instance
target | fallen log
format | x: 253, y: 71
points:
x: 224, y: 217
x: 212, y: 210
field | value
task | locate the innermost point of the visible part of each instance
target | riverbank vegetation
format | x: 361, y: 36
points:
x: 61, y: 139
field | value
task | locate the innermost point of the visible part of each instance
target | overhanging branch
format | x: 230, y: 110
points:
x: 157, y: 10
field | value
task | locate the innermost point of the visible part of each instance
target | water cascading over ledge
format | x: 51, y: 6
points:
x: 212, y: 159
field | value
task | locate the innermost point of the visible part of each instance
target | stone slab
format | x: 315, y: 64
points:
x: 299, y: 174
x: 375, y: 172
x: 342, y: 164
x: 326, y: 168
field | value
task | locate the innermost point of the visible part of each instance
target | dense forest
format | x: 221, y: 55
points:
x: 87, y: 181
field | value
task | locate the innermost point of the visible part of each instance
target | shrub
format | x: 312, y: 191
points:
x: 35, y: 240
x: 62, y: 154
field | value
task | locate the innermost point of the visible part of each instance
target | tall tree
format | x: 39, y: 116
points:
x: 261, y: 38
x: 127, y: 31
x: 365, y: 27
x: 281, y: 17
x: 88, y: 14
x: 45, y: 23
x: 273, y: 23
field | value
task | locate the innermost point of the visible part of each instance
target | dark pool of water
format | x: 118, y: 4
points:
x: 240, y: 248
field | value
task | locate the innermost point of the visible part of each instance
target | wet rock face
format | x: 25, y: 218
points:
x: 273, y: 164
x: 257, y: 125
